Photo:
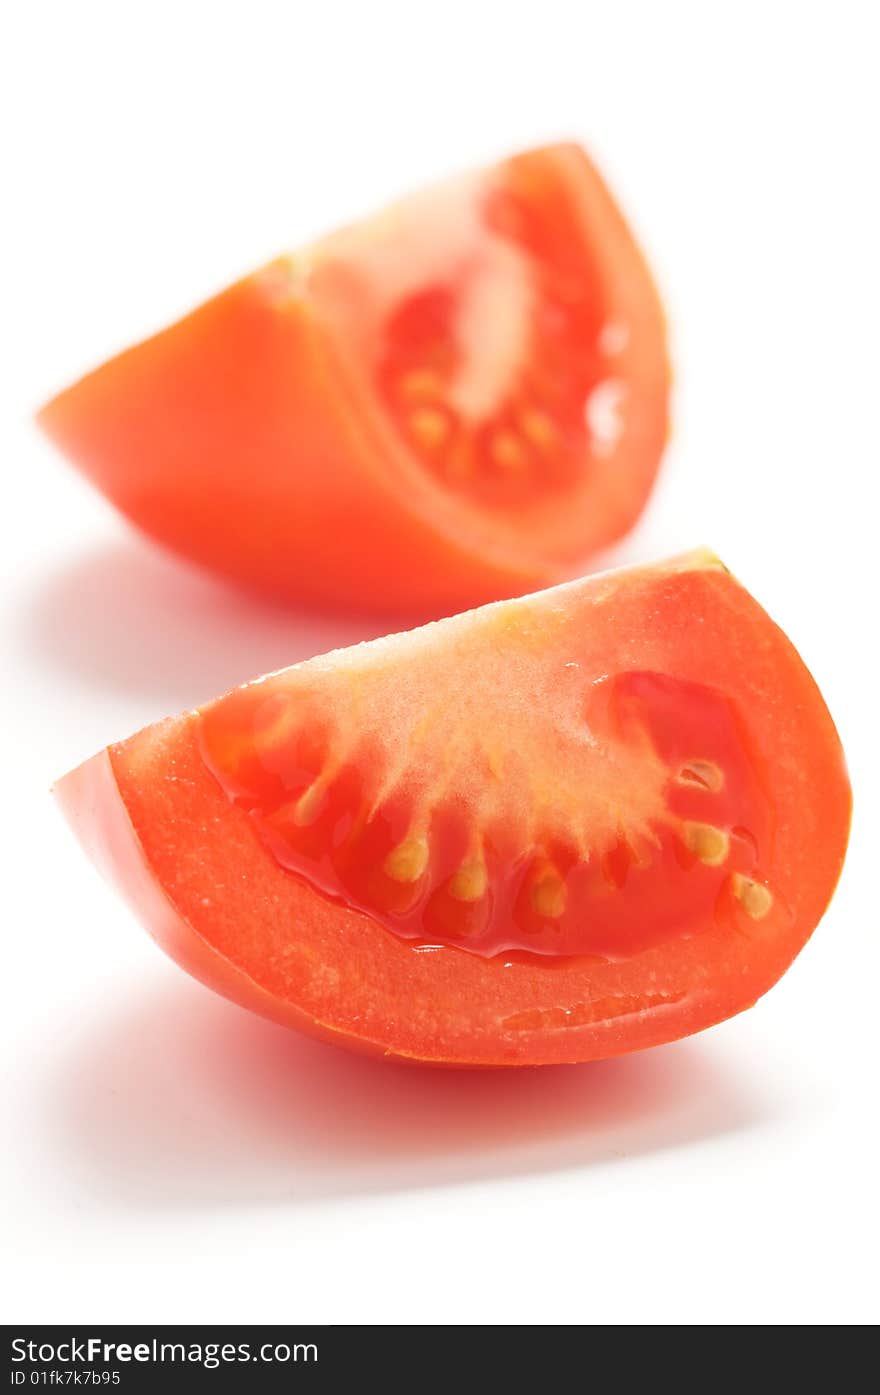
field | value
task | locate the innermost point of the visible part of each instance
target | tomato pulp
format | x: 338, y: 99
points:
x: 553, y: 829
x: 461, y: 399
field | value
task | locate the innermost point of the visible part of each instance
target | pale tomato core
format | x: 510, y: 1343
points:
x: 480, y: 319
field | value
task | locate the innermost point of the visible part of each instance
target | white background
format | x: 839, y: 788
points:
x: 168, y: 1157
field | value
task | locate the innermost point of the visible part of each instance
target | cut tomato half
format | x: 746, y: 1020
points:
x: 459, y: 400
x: 553, y: 829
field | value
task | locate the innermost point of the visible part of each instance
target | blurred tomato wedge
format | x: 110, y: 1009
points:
x: 461, y: 399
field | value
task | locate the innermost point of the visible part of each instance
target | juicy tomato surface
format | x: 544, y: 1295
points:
x: 461, y: 399
x: 553, y: 829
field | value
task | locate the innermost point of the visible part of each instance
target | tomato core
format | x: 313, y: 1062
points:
x: 507, y: 441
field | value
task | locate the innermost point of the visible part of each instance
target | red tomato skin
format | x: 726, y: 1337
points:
x: 240, y: 440
x: 147, y: 807
x: 196, y: 434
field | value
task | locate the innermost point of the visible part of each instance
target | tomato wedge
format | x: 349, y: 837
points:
x: 553, y: 829
x: 459, y: 400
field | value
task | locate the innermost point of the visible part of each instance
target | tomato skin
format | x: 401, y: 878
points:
x: 197, y: 434
x: 92, y: 801
x: 191, y: 864
x: 241, y: 439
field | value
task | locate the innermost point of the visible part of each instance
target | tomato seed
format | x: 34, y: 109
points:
x: 429, y: 426
x: 507, y: 450
x: 709, y: 844
x: 408, y: 861
x: 754, y: 898
x: 469, y: 882
x: 538, y: 428
x: 549, y: 895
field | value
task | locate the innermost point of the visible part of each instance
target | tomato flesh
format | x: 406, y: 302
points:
x: 533, y: 434
x: 461, y: 399
x: 560, y: 827
x: 566, y: 890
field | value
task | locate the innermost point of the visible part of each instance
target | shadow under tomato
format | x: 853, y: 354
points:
x: 183, y: 1099
x: 132, y: 620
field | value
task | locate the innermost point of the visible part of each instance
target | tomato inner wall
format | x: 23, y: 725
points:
x: 476, y: 889
x: 560, y: 403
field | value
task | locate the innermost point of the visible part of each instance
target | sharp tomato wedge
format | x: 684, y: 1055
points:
x: 553, y: 829
x: 460, y: 400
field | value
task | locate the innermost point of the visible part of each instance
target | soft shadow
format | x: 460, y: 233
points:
x: 130, y: 619
x: 183, y: 1099
x: 133, y: 620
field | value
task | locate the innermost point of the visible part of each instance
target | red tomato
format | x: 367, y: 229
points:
x: 553, y: 829
x: 462, y: 399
